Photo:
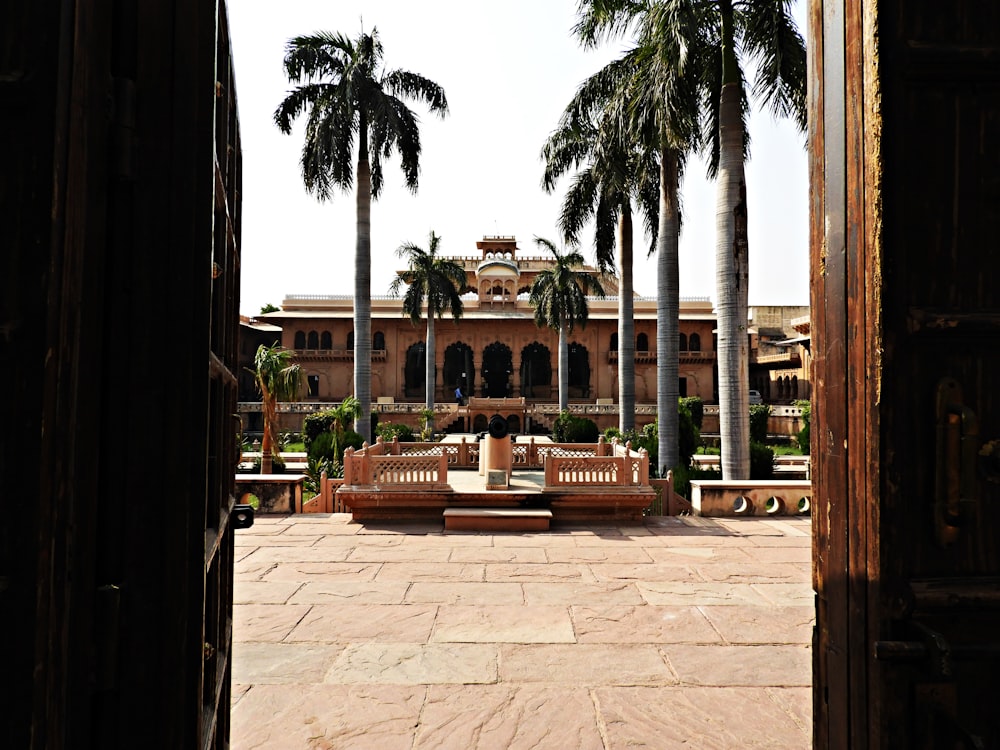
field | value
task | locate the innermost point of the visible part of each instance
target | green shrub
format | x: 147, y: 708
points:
x: 316, y: 424
x: 322, y: 447
x: 569, y: 428
x: 758, y: 422
x: 314, y: 470
x: 802, y: 438
x: 761, y: 461
x: 683, y: 475
x: 389, y: 430
x: 688, y: 431
x: 696, y: 408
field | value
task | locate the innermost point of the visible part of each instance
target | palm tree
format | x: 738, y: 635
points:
x: 351, y: 100
x: 278, y: 379
x: 613, y: 171
x: 438, y: 280
x: 559, y: 297
x: 343, y: 416
x: 709, y: 35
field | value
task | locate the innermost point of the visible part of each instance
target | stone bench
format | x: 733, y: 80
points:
x: 497, y: 519
x: 277, y: 493
x: 772, y: 497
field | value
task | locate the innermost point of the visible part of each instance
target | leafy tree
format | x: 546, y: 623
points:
x: 613, y: 171
x: 352, y: 102
x: 559, y: 298
x: 269, y: 308
x: 278, y: 379
x: 440, y: 282
x: 710, y: 36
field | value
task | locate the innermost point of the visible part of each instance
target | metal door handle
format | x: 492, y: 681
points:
x: 957, y: 452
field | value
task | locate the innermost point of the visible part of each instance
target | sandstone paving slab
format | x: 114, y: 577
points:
x: 401, y: 529
x: 358, y: 540
x: 793, y: 526
x: 682, y: 539
x: 768, y: 555
x: 298, y: 553
x: 427, y: 571
x: 282, y: 663
x: 265, y: 622
x: 681, y: 594
x: 262, y: 527
x: 502, y: 624
x: 681, y: 571
x: 750, y: 527
x: 763, y: 573
x: 706, y: 718
x: 349, y: 623
x: 320, y: 571
x: 415, y: 664
x: 797, y: 701
x: 763, y: 624
x: 627, y: 553
x: 499, y: 554
x: 500, y: 717
x: 241, y: 552
x: 327, y: 717
x: 251, y: 570
x: 449, y: 539
x: 787, y: 593
x: 354, y: 592
x: 472, y: 593
x: 642, y: 624
x: 678, y: 555
x: 584, y: 664
x: 786, y: 540
x: 264, y: 592
x: 594, y: 594
x: 750, y: 666
x: 237, y: 691
x: 401, y: 553
x: 543, y: 572
x: 548, y: 540
x: 308, y: 528
x: 275, y: 540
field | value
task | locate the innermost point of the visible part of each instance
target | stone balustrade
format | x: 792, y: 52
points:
x: 717, y: 497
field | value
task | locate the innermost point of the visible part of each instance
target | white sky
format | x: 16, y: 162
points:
x: 508, y: 70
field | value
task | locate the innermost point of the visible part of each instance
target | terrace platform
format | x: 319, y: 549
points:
x: 675, y: 632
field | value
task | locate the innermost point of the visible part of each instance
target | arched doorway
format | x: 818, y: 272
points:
x: 458, y: 367
x: 536, y: 371
x: 414, y: 371
x: 579, y: 370
x: 498, y: 364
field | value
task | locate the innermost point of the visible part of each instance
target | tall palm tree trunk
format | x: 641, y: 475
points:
x: 362, y: 288
x: 268, y: 407
x: 563, y: 368
x: 731, y: 268
x: 429, y: 368
x: 626, y: 322
x: 667, y: 313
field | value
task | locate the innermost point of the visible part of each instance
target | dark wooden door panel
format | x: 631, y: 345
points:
x: 906, y: 306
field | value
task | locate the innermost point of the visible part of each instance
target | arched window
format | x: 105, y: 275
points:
x: 350, y: 339
x: 300, y: 340
x: 313, y: 340
x: 642, y: 343
x: 326, y: 340
x: 694, y: 342
x: 378, y: 341
x: 682, y: 342
x: 613, y: 346
x: 795, y: 387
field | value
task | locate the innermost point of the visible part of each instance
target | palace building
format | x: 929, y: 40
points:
x: 495, y: 350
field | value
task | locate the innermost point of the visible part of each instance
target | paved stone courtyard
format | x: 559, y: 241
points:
x: 684, y: 632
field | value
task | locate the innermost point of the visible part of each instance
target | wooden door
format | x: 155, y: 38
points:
x: 905, y: 207
x: 119, y: 222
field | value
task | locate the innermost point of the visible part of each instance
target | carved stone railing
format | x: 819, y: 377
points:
x: 378, y: 466
x: 622, y: 468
